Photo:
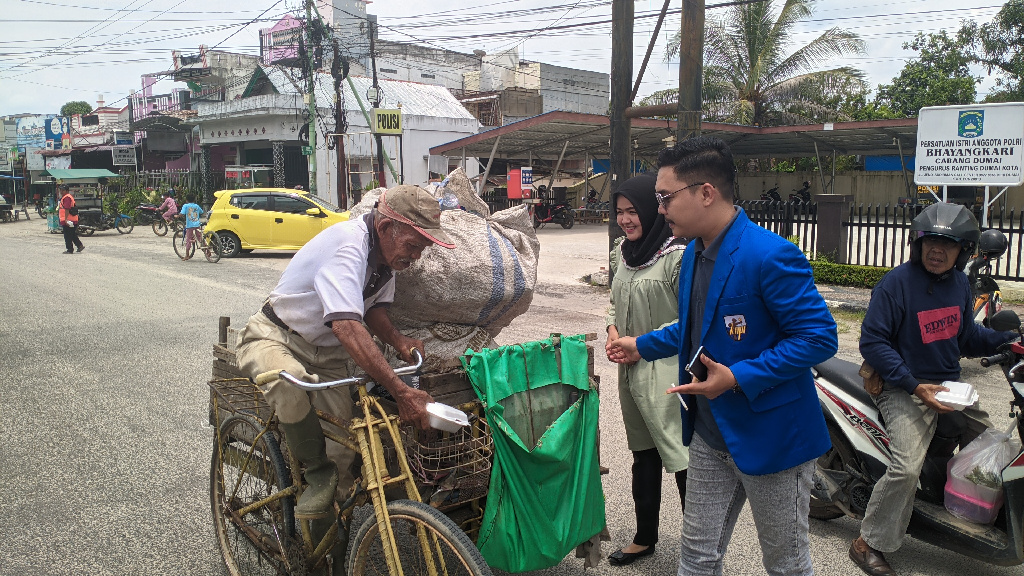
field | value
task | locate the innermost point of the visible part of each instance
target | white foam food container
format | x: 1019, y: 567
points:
x: 960, y: 395
x: 444, y: 417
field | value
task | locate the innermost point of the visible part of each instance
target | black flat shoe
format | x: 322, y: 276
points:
x: 620, y: 558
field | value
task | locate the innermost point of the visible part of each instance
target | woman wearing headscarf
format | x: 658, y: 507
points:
x: 644, y: 297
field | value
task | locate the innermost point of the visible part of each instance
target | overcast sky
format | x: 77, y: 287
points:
x: 55, y: 51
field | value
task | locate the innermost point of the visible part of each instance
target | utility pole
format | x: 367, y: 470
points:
x: 691, y: 68
x: 311, y: 94
x: 621, y: 94
x: 381, y: 177
x: 339, y: 70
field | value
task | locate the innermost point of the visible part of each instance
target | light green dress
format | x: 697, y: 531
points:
x: 643, y: 300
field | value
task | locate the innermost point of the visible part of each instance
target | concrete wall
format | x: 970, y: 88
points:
x: 865, y: 187
x: 424, y: 65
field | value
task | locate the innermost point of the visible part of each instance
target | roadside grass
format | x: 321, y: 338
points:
x: 847, y: 320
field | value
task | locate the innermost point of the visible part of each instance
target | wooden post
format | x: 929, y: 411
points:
x: 691, y: 68
x: 622, y: 90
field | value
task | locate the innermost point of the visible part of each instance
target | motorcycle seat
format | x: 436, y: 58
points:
x: 844, y: 375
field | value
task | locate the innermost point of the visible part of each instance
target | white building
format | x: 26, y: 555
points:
x: 264, y: 127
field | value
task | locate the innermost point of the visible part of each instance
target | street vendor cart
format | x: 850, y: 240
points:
x: 88, y: 187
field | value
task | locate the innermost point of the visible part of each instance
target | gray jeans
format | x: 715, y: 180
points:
x: 910, y: 426
x: 716, y: 490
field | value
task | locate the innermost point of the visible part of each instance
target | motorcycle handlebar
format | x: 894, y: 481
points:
x: 996, y: 359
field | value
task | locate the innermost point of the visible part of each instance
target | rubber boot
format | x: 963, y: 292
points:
x: 306, y: 441
x: 320, y: 527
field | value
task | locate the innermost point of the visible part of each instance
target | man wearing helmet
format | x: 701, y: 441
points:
x: 918, y: 325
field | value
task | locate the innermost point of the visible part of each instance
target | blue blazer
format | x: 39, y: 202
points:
x: 765, y: 320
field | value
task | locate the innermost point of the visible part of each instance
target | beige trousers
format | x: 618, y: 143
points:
x: 263, y: 346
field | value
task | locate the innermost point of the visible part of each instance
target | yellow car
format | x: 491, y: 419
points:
x: 269, y: 218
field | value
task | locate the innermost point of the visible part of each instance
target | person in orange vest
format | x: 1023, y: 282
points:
x: 68, y: 215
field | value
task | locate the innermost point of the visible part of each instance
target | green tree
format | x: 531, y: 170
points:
x: 752, y: 74
x: 998, y: 46
x: 940, y: 75
x: 75, y: 107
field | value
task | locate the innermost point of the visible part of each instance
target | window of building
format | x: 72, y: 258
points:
x: 389, y: 71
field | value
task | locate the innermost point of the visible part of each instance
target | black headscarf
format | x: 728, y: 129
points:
x: 639, y: 190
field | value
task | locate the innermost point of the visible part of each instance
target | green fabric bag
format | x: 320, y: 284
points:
x: 545, y: 494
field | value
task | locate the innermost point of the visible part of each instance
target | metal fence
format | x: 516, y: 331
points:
x: 797, y: 221
x: 878, y: 235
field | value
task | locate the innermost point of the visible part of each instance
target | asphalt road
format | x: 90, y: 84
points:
x: 104, y: 359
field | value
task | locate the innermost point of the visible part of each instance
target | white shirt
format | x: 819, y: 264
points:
x: 338, y: 275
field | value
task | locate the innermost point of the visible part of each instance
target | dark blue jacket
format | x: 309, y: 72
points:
x: 918, y: 326
x: 762, y: 291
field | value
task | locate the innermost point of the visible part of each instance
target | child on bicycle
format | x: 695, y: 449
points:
x: 169, y: 205
x: 192, y: 212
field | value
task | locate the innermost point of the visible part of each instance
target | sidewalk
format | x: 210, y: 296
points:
x: 845, y: 297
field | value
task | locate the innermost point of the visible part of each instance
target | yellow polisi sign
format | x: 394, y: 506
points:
x: 387, y: 121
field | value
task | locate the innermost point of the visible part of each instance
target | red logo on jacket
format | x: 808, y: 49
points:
x: 939, y: 324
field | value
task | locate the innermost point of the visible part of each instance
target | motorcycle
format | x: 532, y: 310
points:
x: 95, y: 220
x: 987, y: 299
x: 802, y: 195
x: 560, y: 213
x: 772, y: 195
x: 845, y: 475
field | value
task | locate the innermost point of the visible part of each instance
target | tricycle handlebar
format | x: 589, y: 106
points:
x: 268, y: 377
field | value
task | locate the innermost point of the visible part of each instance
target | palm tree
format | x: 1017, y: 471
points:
x: 750, y: 79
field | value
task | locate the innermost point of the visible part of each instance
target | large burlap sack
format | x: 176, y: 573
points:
x: 443, y: 343
x: 486, y: 281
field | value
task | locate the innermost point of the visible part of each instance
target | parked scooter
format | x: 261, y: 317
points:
x: 845, y: 476
x: 987, y: 300
x: 803, y: 194
x: 545, y: 212
x: 95, y: 220
x: 771, y: 195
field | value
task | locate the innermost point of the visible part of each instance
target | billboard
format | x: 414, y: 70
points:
x: 33, y: 159
x: 56, y: 129
x: 31, y: 131
x: 973, y: 145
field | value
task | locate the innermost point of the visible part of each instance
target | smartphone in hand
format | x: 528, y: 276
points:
x: 696, y: 368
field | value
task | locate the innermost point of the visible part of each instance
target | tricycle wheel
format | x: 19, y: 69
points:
x: 247, y: 467
x: 160, y: 227
x: 423, y: 537
x: 85, y: 231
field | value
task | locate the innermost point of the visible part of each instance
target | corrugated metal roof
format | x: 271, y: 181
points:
x: 416, y: 99
x: 76, y: 173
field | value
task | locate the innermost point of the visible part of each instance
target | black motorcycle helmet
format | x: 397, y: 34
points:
x: 950, y: 221
x: 992, y: 244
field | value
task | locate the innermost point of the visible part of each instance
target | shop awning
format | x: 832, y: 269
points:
x: 79, y: 173
x: 547, y: 135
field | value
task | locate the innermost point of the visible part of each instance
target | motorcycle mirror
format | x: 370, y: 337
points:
x: 1004, y: 321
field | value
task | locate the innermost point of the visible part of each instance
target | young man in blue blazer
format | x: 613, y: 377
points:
x: 754, y: 425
